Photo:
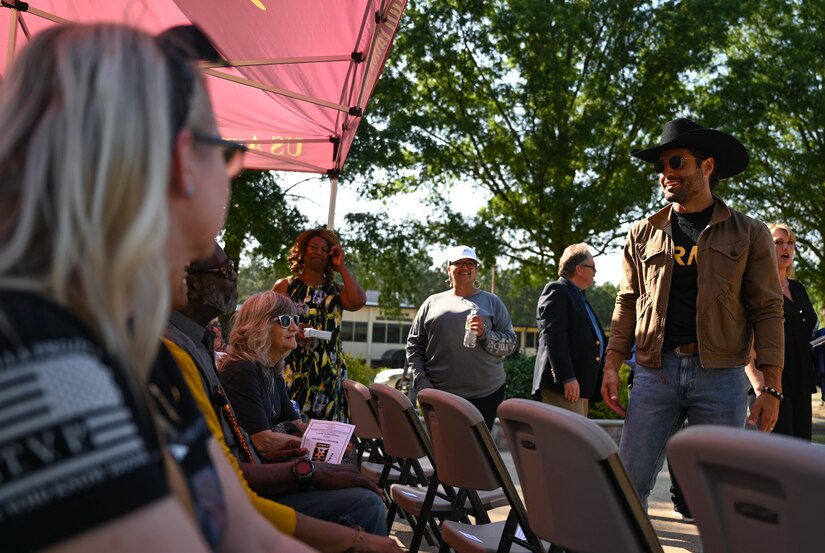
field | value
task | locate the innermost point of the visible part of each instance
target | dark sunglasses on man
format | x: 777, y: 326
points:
x: 675, y: 163
x: 226, y: 270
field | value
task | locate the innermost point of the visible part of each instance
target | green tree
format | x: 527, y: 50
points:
x: 538, y: 103
x: 390, y: 257
x: 261, y: 220
x: 771, y: 97
x: 602, y: 298
x: 518, y: 293
x: 258, y: 274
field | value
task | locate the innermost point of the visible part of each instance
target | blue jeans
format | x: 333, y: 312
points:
x: 347, y: 506
x: 662, y: 400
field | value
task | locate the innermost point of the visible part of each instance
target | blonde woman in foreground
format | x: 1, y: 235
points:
x: 111, y: 181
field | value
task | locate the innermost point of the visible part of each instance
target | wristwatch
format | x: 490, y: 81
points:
x: 304, y: 469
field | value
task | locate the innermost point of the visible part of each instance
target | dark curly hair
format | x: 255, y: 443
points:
x: 296, y: 253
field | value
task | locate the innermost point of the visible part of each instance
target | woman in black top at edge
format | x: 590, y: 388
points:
x: 798, y: 378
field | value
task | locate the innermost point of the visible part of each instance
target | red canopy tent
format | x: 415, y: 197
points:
x: 301, y: 71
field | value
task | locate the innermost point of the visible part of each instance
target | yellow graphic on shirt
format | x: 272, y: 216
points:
x: 679, y: 254
x: 258, y: 4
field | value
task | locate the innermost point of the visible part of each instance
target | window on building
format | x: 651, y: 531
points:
x: 394, y: 333
x: 530, y: 340
x: 353, y: 332
x: 359, y: 332
x: 379, y: 333
x: 346, y: 330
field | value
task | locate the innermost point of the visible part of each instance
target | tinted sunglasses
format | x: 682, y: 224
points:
x: 227, y: 270
x: 464, y: 263
x: 233, y: 152
x: 287, y: 320
x: 675, y: 163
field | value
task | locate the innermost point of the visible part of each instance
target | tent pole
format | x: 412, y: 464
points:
x: 12, y: 37
x: 333, y: 193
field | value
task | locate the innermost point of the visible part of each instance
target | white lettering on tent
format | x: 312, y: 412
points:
x: 292, y: 149
x: 255, y: 146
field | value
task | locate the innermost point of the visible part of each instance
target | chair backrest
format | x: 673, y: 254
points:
x: 362, y: 410
x: 404, y: 436
x: 751, y: 491
x: 462, y: 458
x: 577, y: 491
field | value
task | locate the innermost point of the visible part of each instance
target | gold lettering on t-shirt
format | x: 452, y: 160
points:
x: 679, y: 254
x: 692, y: 257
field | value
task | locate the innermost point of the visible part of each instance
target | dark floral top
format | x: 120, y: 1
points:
x: 314, y: 373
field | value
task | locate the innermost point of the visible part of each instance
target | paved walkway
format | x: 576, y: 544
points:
x: 675, y: 536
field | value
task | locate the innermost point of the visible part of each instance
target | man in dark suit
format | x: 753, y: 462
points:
x: 571, y: 348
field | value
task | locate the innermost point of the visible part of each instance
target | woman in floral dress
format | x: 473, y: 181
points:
x: 315, y: 371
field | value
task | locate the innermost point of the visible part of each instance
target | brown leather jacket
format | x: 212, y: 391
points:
x: 739, y: 297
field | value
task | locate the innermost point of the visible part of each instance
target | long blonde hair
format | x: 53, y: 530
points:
x: 250, y: 338
x: 85, y: 157
x: 790, y: 272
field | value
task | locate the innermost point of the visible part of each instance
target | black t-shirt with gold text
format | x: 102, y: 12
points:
x: 680, y: 325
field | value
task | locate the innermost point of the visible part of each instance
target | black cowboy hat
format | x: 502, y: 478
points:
x: 730, y: 155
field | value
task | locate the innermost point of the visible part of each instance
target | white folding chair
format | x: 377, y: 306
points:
x: 419, y: 494
x: 363, y: 415
x: 577, y: 491
x: 751, y: 491
x: 466, y: 458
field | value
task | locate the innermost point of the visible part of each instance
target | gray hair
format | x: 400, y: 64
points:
x: 85, y: 157
x: 572, y: 256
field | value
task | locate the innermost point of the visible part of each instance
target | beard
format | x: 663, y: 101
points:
x: 689, y: 187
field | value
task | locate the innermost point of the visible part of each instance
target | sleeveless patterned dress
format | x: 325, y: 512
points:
x: 314, y: 374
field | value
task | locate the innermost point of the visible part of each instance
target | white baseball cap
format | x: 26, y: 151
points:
x: 461, y: 252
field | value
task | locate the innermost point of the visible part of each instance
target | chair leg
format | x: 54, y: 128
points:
x: 479, y: 512
x: 433, y: 533
x: 424, y: 517
x: 391, y: 512
x: 359, y: 452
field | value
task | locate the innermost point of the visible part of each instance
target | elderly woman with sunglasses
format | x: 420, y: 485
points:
x: 264, y: 332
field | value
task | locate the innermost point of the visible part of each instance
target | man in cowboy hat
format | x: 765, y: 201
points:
x: 698, y: 290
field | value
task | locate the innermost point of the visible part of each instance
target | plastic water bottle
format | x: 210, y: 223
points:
x: 470, y: 336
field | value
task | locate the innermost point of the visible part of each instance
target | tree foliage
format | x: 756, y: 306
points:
x: 538, y: 103
x: 261, y: 219
x: 390, y: 257
x: 602, y: 298
x: 264, y: 223
x: 771, y: 97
